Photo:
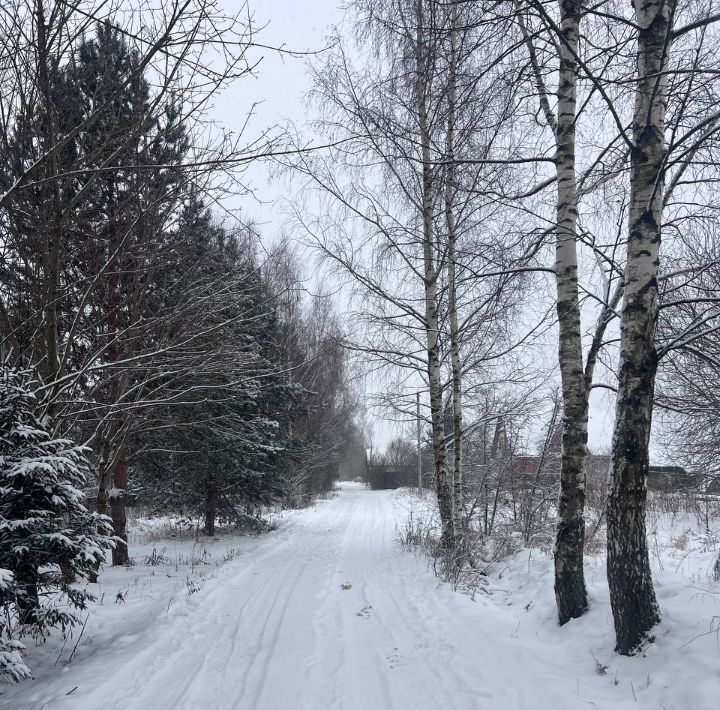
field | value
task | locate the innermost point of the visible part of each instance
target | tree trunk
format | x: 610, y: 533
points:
x: 570, y: 592
x: 53, y: 211
x: 28, y: 600
x: 118, y: 514
x: 106, y: 468
x: 443, y: 484
x: 458, y: 497
x: 118, y: 511
x: 632, y: 597
x: 211, y: 496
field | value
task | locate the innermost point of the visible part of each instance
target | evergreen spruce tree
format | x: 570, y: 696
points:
x: 12, y: 666
x: 226, y: 441
x: 43, y: 523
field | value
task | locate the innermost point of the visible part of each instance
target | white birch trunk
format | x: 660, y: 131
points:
x: 570, y: 592
x: 443, y: 483
x: 458, y: 496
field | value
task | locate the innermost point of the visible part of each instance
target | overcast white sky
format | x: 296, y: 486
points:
x: 279, y: 89
x: 280, y: 85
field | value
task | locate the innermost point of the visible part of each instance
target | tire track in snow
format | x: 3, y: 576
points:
x: 309, y: 561
x: 176, y: 668
x: 328, y: 656
x: 267, y: 641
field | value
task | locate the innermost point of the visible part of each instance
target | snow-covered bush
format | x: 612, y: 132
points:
x: 47, y: 536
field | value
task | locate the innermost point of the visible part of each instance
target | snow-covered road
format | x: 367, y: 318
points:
x: 276, y: 630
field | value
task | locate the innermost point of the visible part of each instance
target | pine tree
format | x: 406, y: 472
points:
x: 43, y: 524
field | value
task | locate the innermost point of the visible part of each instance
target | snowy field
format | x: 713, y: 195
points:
x: 328, y: 613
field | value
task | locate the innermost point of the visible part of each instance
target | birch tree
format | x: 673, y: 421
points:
x: 451, y: 228
x: 425, y: 60
x: 570, y: 590
x: 674, y: 124
x: 403, y: 192
x: 635, y: 608
x: 576, y: 371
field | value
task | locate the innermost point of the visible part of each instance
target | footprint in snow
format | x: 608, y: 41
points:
x: 345, y: 586
x: 394, y: 659
x: 364, y: 613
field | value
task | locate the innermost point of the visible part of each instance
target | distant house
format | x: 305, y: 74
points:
x: 713, y: 486
x: 546, y: 468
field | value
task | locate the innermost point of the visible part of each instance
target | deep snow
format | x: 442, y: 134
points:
x: 328, y: 613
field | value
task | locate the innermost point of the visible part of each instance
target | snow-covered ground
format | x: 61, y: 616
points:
x: 328, y: 613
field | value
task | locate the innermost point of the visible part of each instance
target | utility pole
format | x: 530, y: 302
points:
x: 419, y: 452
